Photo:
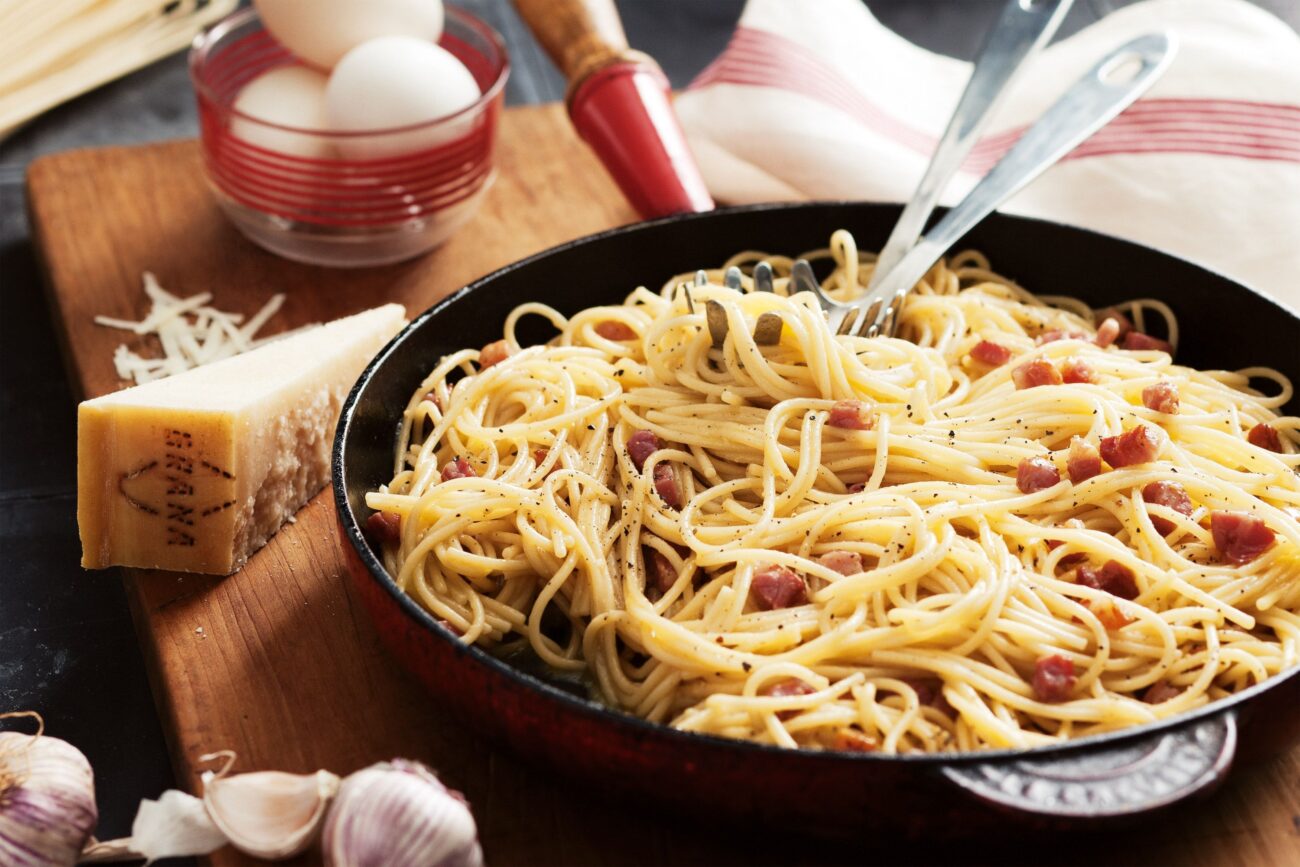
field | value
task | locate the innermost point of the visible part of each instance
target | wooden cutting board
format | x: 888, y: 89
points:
x: 279, y: 662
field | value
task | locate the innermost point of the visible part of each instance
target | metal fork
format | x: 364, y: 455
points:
x: 1021, y: 30
x: 1091, y: 102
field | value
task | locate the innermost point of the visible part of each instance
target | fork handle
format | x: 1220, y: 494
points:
x: 1021, y: 30
x: 1087, y: 106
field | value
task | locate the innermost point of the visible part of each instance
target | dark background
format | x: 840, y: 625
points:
x: 67, y: 646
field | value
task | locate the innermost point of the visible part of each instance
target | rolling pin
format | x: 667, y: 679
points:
x: 620, y: 103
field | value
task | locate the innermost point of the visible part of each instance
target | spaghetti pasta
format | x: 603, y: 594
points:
x: 988, y: 531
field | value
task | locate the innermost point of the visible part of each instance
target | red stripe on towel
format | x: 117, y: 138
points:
x: 1241, y: 129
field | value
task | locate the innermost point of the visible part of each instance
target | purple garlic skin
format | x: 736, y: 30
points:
x: 47, y: 801
x: 398, y: 814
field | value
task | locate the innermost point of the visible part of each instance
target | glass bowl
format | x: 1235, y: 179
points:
x: 304, y: 199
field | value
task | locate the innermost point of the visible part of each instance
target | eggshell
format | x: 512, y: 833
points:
x: 396, y: 81
x: 288, y: 96
x: 322, y: 31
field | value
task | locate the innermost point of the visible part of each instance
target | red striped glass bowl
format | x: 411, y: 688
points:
x: 326, y: 209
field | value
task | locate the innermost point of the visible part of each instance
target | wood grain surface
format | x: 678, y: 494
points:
x: 279, y: 662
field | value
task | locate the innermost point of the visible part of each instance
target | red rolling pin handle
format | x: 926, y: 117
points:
x: 623, y: 112
x: 620, y: 104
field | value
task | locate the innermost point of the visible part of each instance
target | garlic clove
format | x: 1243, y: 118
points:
x: 398, y: 814
x: 269, y: 814
x: 174, y: 825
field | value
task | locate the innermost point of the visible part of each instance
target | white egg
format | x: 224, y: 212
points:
x: 322, y: 31
x: 288, y: 96
x: 396, y: 81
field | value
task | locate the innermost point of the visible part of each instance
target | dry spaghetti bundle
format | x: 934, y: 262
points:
x: 1014, y: 523
x: 55, y: 50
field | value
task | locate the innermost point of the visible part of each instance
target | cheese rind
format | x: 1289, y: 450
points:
x: 197, y: 471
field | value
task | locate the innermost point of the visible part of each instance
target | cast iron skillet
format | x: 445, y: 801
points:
x: 1224, y: 325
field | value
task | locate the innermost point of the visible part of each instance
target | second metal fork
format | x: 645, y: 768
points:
x: 1092, y: 102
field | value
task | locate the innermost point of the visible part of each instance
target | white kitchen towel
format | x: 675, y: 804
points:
x: 818, y: 100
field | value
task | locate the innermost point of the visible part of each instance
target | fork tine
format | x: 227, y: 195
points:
x: 869, y: 324
x: 885, y: 319
x: 763, y: 278
x: 847, y: 325
x: 767, y: 331
x: 802, y: 278
x: 872, y: 315
x: 685, y: 289
x: 732, y: 278
x: 895, y: 312
x: 716, y: 317
x: 701, y: 278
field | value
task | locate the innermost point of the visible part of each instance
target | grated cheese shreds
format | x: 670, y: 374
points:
x: 192, y: 333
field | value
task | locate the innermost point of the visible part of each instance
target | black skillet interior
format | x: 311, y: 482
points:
x: 1223, y: 324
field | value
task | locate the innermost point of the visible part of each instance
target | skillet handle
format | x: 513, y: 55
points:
x: 1108, y: 781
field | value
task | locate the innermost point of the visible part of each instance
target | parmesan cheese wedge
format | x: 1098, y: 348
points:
x: 197, y: 471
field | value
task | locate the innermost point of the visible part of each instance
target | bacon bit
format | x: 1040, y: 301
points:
x: 1084, y: 461
x: 494, y: 353
x: 1054, y: 678
x: 1108, y: 332
x: 848, y: 740
x: 666, y: 484
x: 1160, y: 692
x: 787, y: 687
x: 1069, y: 559
x: 851, y: 415
x: 1113, y: 578
x: 612, y: 329
x: 1076, y: 370
x: 385, y: 528
x: 857, y: 487
x: 1036, y: 373
x: 843, y: 562
x: 434, y: 398
x: 1161, y: 396
x: 791, y: 686
x: 457, y: 469
x: 1137, y: 341
x: 1240, y: 536
x: 1109, y: 614
x: 640, y: 446
x: 990, y: 353
x: 1036, y: 474
x: 929, y: 693
x: 1266, y: 437
x: 660, y: 574
x: 1171, y: 495
x: 778, y: 587
x: 1055, y: 334
x: 1125, y: 324
x: 1137, y: 446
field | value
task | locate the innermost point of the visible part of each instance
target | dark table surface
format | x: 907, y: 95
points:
x: 67, y: 646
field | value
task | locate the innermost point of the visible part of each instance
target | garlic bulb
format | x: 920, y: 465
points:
x: 268, y: 814
x: 47, y: 800
x: 398, y: 814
